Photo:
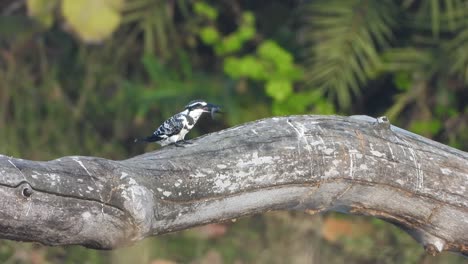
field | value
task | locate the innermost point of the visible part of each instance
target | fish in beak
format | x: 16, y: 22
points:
x: 211, y: 108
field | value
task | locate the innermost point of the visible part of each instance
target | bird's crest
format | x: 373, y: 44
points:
x: 195, y: 104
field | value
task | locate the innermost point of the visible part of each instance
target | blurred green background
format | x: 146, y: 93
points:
x: 85, y: 77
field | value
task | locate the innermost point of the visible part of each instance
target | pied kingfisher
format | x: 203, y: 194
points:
x: 173, y: 130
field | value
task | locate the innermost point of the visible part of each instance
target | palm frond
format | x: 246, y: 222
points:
x: 456, y: 50
x: 409, y: 59
x: 438, y: 16
x: 154, y: 19
x: 345, y: 39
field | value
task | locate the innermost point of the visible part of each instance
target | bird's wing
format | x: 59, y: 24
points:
x: 170, y: 127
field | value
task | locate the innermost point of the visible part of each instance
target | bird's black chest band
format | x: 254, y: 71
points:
x: 190, y: 120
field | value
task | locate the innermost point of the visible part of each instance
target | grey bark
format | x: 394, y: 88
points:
x: 358, y: 165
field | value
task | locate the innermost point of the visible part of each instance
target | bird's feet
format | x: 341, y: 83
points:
x: 182, y: 143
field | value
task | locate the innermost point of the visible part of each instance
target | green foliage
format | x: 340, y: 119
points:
x: 246, y: 66
x: 302, y: 102
x: 235, y: 40
x: 6, y: 251
x: 271, y: 64
x: 346, y: 38
x: 203, y: 9
x: 42, y: 10
x: 354, y: 44
x: 426, y: 128
x: 209, y: 35
x: 456, y: 50
x: 403, y: 81
x: 279, y: 89
x: 227, y: 44
x: 437, y: 15
x: 61, y: 96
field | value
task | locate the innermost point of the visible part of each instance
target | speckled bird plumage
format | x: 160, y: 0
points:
x: 175, y: 128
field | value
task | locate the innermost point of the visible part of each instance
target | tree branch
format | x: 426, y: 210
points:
x: 358, y: 165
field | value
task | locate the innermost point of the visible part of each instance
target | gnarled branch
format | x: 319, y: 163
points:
x: 357, y: 165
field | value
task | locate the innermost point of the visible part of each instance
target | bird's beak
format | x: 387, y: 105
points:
x: 211, y: 108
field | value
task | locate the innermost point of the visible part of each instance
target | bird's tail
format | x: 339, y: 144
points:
x: 151, y: 138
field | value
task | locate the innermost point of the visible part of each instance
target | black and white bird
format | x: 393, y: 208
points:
x: 173, y: 130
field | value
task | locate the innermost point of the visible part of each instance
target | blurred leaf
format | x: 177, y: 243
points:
x: 247, y: 66
x: 294, y: 104
x: 153, y: 67
x: 42, y: 10
x: 248, y: 18
x: 442, y: 111
x: 209, y: 35
x: 153, y: 95
x: 290, y: 72
x: 246, y: 33
x: 272, y: 51
x: 231, y: 67
x: 206, y: 10
x: 403, y: 81
x: 324, y: 107
x: 229, y: 44
x: 92, y: 20
x: 17, y: 26
x: 272, y: 62
x: 304, y: 102
x: 279, y: 89
x: 427, y: 128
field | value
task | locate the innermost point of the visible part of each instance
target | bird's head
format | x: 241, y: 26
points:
x: 197, y: 107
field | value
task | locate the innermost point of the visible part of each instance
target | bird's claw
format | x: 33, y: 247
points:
x: 182, y: 143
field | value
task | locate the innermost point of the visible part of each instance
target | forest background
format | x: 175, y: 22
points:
x: 85, y: 77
